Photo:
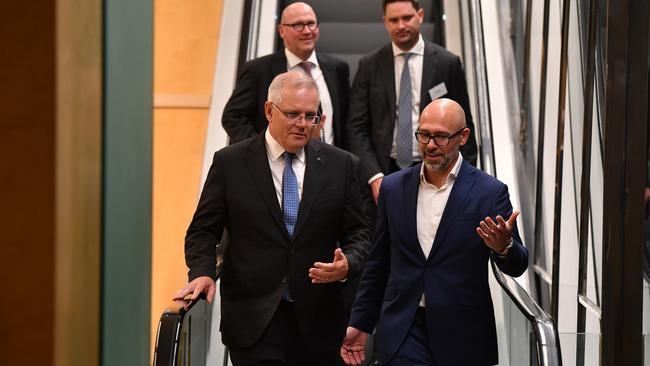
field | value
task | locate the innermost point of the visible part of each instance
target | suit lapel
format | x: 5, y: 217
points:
x: 279, y: 65
x: 315, y: 164
x: 428, y: 73
x: 459, y: 193
x: 410, y: 196
x: 330, y: 79
x: 258, y: 164
x: 387, y: 71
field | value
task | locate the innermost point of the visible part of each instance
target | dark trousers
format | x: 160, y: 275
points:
x: 415, y: 350
x: 282, y: 344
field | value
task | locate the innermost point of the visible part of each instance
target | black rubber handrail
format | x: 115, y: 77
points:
x: 168, y: 336
x: 169, y: 342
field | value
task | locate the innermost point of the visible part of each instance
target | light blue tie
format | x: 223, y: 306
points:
x: 290, y: 204
x: 290, y: 199
x: 404, y: 119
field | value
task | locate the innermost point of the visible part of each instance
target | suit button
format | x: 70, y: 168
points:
x: 284, y: 281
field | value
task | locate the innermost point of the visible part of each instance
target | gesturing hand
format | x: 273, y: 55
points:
x: 330, y: 272
x: 497, y: 235
x: 353, y: 350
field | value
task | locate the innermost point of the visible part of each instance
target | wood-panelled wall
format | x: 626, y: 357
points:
x: 50, y: 80
x: 27, y: 157
x: 185, y: 49
x: 78, y: 182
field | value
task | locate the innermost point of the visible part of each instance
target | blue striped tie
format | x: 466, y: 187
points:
x: 404, y: 118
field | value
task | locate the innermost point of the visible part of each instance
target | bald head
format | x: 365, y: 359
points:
x: 444, y: 111
x: 295, y: 9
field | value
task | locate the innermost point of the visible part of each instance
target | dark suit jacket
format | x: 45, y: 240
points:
x: 459, y: 312
x: 261, y: 258
x: 371, y: 118
x: 243, y: 115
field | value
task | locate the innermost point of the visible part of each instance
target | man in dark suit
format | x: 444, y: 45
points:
x: 387, y: 98
x: 290, y: 204
x: 426, y: 281
x: 243, y: 115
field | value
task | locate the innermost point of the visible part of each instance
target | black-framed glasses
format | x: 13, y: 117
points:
x: 298, y: 27
x: 440, y: 140
x: 311, y: 118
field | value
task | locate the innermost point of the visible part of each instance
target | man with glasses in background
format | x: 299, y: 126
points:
x: 425, y: 284
x: 243, y: 117
x: 296, y: 231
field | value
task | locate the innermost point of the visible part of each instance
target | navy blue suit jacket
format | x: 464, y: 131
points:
x: 454, y: 277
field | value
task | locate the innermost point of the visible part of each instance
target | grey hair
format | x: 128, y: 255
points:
x: 296, y: 79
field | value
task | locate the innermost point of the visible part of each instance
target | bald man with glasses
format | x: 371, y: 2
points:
x: 243, y: 115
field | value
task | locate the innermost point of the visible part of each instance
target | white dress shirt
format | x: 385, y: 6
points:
x: 327, y: 131
x: 431, y: 204
x: 276, y: 161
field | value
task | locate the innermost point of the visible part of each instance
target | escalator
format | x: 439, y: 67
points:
x: 531, y: 134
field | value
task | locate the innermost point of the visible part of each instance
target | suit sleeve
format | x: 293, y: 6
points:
x: 358, y: 125
x: 344, y: 98
x: 206, y: 228
x: 241, y: 108
x: 370, y: 293
x: 355, y: 237
x: 458, y: 93
x: 515, y: 262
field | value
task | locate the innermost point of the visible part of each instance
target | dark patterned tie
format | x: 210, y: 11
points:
x: 404, y: 118
x: 306, y: 65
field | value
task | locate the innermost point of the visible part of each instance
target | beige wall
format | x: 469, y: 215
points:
x: 185, y: 50
x: 78, y: 183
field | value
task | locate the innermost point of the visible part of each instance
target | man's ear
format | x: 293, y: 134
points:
x: 464, y: 136
x: 268, y: 106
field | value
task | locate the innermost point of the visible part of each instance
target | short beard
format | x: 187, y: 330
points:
x: 438, y: 167
x: 441, y: 165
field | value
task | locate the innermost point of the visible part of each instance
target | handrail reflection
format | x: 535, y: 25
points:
x: 547, y: 347
x: 546, y: 339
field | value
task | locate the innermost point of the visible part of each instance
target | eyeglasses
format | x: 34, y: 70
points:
x: 298, y: 27
x: 295, y: 117
x: 440, y: 140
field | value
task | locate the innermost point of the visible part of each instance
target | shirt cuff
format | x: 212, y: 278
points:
x: 375, y: 177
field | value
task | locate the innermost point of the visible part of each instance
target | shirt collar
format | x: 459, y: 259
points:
x: 450, y: 178
x: 275, y: 150
x: 418, y: 49
x: 293, y: 60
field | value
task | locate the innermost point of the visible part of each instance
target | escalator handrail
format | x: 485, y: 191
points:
x: 168, y: 332
x: 166, y: 349
x: 546, y: 336
x: 547, y: 341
